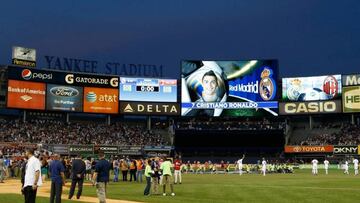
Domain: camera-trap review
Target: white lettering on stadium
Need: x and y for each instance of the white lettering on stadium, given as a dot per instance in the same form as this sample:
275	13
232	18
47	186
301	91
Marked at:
352	80
25	90
311	107
224	105
157	108
114	82
250	87
92	80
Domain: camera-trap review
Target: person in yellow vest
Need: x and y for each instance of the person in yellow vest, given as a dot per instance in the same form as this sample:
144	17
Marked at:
124	169
140	169
133	170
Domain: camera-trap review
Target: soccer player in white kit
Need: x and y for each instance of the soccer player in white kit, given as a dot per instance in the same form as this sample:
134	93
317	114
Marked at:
346	167
240	164
326	166
314	166
356	166
263	168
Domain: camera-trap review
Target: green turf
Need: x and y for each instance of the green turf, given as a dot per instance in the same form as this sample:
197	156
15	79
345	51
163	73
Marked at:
298	187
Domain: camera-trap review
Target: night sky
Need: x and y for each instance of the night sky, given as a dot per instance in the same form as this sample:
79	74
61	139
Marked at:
308	37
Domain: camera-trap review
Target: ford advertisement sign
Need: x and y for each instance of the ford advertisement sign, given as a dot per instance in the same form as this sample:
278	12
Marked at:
64	98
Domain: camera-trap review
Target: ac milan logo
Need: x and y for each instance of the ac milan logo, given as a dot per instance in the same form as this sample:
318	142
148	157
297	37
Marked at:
330	86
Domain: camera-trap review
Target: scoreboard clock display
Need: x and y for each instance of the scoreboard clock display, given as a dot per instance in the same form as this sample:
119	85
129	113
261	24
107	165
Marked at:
148	89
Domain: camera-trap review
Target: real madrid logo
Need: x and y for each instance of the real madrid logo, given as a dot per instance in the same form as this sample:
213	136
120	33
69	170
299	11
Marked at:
293	92
267	85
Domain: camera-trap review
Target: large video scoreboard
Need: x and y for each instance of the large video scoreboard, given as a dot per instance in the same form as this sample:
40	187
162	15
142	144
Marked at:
148	89
150	96
229	88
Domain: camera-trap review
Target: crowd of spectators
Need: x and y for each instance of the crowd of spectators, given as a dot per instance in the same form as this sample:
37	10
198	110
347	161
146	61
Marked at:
58	132
348	135
263	124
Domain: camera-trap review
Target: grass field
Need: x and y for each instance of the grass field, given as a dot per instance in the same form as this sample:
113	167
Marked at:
298	187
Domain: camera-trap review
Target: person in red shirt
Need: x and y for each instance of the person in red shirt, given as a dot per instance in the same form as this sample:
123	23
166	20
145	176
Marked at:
177	167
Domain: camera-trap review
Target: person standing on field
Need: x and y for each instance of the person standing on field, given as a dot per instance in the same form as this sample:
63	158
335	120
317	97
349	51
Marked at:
167	176
326	166
356	166
88	169
263	167
57	176
78	170
140	170
124	169
346	168
240	164
32	179
177	167
116	167
155	176
101	177
314	166
2	169
148	174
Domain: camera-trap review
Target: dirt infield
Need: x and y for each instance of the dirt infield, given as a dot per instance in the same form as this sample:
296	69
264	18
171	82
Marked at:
14	186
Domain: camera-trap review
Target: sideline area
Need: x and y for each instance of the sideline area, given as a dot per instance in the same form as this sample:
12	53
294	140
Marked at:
13	186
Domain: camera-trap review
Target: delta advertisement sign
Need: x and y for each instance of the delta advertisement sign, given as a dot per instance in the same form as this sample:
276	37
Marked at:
26	95
149	108
309	149
101	100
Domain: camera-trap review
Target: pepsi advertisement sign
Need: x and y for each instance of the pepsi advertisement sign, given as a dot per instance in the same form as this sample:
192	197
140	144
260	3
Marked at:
32	74
59	77
229	88
64	98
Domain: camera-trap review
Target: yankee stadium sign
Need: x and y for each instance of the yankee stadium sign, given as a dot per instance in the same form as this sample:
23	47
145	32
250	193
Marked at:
110	68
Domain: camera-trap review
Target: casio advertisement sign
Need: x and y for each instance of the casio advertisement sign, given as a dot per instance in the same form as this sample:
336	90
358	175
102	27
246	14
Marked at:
314	107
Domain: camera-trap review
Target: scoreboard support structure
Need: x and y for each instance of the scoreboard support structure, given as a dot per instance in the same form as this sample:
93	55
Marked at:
67	118
108	120
148	122
24	116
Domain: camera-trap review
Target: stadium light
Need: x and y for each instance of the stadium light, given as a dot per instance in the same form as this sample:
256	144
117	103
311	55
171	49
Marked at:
243	69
